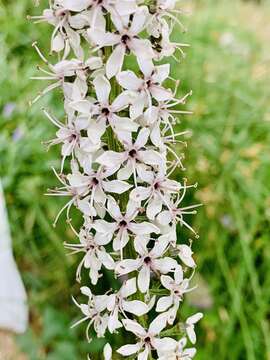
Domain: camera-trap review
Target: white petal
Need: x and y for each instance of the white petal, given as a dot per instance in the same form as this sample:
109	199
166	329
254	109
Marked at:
158	324
135	307
164	218
164	303
102	89
140	193
151	157
125	172
128	288
139	19
126	266
161	94
191	334
194	318
106	260
162	72
185	254
154	207
143	228
144	279
107	352
144	354
128	80
113	208
127	350
134	327
115	61
116	186
160	246
165	265
102	39
142	138
78	5
111	159
140	244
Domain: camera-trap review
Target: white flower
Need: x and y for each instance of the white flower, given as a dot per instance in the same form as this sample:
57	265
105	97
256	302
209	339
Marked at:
157	192
148	340
94	311
148	261
95	254
177	287
185	254
101	113
133	154
179	353
189	325
124	225
118	303
147	87
124	40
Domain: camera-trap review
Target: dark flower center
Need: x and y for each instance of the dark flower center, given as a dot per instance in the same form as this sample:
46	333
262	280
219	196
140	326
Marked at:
132	153
156	186
124	39
147	339
123	223
95	181
147	260
105	111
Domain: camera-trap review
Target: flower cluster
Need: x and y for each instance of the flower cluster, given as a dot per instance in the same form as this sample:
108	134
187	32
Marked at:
118	158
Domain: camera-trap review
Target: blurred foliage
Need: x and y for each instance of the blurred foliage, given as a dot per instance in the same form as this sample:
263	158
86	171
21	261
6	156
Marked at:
228	69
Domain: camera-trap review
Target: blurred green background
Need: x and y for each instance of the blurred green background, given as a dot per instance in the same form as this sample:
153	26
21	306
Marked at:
228	69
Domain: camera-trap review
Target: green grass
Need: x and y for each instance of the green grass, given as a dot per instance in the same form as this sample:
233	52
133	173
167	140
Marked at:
228	155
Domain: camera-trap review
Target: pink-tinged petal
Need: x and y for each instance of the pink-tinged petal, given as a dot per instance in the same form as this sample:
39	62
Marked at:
122	124
154	207
161	94
151	115
160	246
185	254
194	318
115	61
144	174
138	105
114	323
142	48
151	157
126	266
111	159
107	352
143	228
78	5
104	227
127	350
135	307
102	239
102	88
191	334
128	288
121	240
179	276
142	138
164	303
140	244
140	193
96	130
167	281
124	8
158	324
106	259
164	218
146	66
134	327
165	344
116	186
125	172
86	291
102	38
144	354
82	106
122	101
139	20
144	279
162	72
128	80
113	208
165	265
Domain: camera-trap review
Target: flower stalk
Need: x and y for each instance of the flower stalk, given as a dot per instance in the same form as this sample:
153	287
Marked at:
119	152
